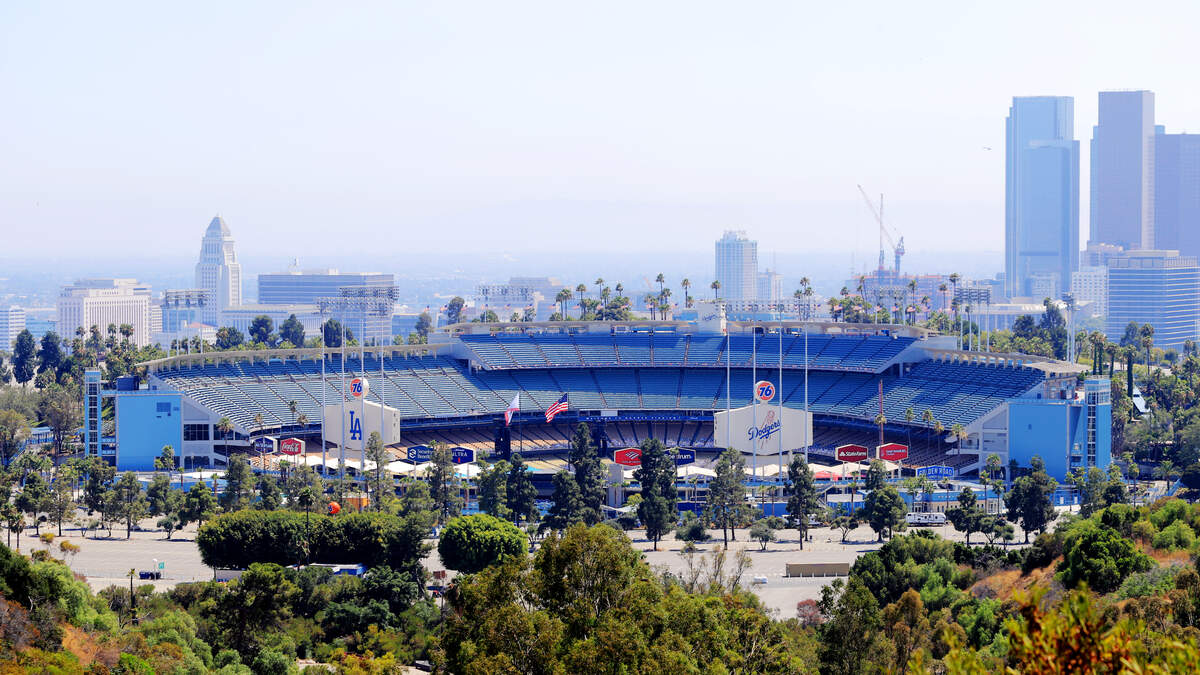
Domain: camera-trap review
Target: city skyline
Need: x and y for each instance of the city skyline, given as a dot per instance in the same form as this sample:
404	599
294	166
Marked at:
218	132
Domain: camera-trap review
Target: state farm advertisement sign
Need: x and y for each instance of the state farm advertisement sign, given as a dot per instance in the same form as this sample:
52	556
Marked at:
851	453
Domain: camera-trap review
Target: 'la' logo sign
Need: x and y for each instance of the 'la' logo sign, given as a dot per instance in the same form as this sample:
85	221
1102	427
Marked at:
355	427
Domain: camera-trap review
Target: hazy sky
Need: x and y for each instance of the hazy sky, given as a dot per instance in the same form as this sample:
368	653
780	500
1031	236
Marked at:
510	127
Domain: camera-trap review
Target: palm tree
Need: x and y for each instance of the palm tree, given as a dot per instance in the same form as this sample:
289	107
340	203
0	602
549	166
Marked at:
1147	334
599	285
664	299
661	281
293	408
258	425
581	289
620	288
715	286
909	416
833	307
561	298
960	434
912	291
652	303
225	426
954	278
302	420
1097	339
880	420
687	299
925	302
939	430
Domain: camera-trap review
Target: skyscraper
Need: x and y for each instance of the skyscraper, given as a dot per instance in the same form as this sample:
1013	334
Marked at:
218	271
1177	192
1041	213
1123	170
737	266
1160	288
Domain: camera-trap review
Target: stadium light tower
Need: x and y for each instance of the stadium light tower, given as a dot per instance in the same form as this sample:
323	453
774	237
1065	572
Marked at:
366	300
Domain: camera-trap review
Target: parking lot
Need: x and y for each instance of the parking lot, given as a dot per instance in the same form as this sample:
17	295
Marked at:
107	561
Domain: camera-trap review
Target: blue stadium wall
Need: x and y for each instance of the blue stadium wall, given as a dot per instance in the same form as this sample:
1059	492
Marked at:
145	423
1053	430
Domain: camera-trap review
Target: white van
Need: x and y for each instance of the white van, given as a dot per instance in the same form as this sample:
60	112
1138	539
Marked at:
925	519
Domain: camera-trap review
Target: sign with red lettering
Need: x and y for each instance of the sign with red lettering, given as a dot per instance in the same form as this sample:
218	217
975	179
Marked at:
628	457
893	452
851	453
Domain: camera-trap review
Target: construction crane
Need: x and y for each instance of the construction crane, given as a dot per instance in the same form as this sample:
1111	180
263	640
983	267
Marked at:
897	244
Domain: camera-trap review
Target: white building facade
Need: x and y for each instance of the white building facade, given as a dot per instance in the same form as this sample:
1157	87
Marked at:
100	302
12	322
1090	284
737	266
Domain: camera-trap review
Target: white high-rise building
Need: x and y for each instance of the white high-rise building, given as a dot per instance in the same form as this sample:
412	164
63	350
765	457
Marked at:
737	266
1090	284
100	302
218	271
12	322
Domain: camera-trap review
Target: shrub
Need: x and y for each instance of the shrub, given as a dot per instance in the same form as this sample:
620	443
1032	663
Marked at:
762	532
471	543
1167	511
1144	531
692	528
1045	549
1156	581
236	540
1175	536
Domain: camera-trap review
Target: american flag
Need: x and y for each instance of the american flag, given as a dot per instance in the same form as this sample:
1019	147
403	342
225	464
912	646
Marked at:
558	406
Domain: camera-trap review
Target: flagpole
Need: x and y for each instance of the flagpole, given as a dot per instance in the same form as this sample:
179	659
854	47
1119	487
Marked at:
779	316
754	394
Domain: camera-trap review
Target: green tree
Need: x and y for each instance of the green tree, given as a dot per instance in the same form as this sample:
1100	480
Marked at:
50	354
291	330
24	358
33	499
270	497
229	338
762	532
444	483
589	473
493	489
14	432
262	329
566	504
159	496
468	544
803	500
852	635
520	491
727	506
968	517
199	505
657	510
130	501
239	484
62	411
885	511
1030	501
255	605
379	479
331	333
60	503
1100	557
424	325
454	310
